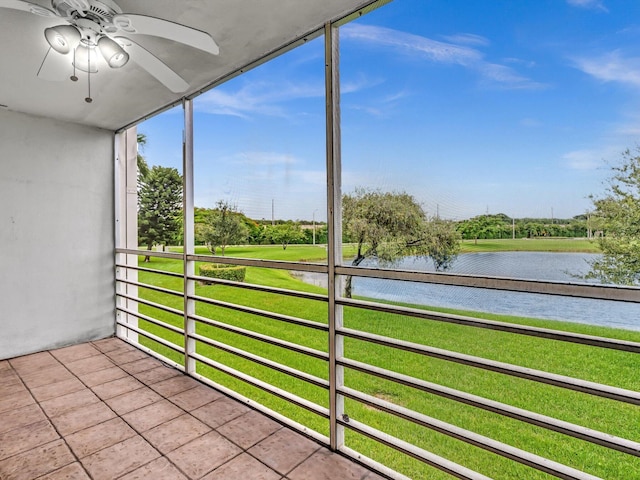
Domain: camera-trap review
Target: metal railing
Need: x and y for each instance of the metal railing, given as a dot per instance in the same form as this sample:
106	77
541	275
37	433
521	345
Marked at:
212	354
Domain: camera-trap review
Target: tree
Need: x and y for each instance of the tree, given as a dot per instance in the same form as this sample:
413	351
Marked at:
224	226
388	226
285	233
143	167
618	212
159	207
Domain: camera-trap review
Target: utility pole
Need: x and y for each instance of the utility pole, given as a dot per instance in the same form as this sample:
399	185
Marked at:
314	226
513	228
273	218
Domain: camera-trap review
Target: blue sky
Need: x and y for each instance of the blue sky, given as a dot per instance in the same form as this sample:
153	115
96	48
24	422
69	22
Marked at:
513	107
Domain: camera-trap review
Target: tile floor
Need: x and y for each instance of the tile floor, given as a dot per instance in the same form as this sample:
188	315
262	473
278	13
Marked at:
105	410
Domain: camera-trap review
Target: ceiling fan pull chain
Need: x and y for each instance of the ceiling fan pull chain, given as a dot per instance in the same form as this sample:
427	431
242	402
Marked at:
89	99
74	78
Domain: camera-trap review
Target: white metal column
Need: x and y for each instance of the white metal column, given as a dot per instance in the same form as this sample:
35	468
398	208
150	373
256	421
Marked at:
126	195
334	240
188	237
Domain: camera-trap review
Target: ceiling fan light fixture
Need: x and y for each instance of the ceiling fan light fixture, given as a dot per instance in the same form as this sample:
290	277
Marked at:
113	53
86	59
62	38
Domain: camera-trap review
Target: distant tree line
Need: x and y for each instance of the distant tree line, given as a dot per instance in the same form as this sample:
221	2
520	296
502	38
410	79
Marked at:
502	226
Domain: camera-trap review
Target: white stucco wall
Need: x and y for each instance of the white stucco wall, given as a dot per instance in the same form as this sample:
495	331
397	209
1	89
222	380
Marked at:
56	234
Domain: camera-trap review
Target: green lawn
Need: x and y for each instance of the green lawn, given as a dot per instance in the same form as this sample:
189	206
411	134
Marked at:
550	244
600	365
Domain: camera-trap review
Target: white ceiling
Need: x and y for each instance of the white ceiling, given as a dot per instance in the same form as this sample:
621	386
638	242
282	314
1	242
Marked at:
245	30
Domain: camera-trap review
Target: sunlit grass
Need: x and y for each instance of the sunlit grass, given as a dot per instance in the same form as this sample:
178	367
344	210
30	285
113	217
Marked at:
615	368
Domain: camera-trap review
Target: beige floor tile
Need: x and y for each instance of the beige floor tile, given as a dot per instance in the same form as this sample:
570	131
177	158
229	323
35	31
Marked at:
20	417
91	364
203	454
126	354
46	376
107	344
220	412
175	385
116	387
130	401
249	429
156	375
74	471
33	363
175	433
50	457
325	465
159	469
140	365
146	418
57	389
121	458
284	450
59	405
106	375
243	467
93	439
25	438
81	418
19	398
195	397
75	352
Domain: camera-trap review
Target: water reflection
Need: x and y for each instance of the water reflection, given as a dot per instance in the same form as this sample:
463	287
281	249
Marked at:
524	265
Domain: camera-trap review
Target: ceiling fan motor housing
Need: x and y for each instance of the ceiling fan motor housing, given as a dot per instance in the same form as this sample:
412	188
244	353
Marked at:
99	11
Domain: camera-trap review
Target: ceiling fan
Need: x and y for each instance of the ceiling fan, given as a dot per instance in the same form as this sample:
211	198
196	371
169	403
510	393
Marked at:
98	29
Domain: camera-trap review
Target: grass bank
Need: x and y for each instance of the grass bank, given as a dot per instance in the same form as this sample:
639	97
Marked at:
589	363
551	244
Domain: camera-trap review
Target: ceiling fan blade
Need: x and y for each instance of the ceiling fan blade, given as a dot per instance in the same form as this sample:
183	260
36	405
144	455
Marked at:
144	25
28	7
153	65
55	66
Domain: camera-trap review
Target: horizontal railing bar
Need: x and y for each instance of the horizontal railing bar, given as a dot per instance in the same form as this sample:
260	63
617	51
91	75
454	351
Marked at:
512	453
266	410
153	337
418	453
260	263
149	303
603	439
149	319
149	253
260	288
620	293
150	287
584	386
603	342
265	362
149	270
262	313
153	353
263	338
278	392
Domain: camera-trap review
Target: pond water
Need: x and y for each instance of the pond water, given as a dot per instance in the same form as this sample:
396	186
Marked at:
523	265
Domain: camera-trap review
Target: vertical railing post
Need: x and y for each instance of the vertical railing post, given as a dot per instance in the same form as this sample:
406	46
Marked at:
188	238
126	208
334	240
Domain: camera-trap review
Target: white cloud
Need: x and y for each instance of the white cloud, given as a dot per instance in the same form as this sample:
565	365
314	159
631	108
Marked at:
590	159
263	159
442	52
468	39
589	4
612	67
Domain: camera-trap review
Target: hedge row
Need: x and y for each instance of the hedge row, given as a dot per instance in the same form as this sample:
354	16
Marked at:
235	273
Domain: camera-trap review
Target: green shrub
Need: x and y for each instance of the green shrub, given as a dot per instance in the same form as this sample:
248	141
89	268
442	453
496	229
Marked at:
235	273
